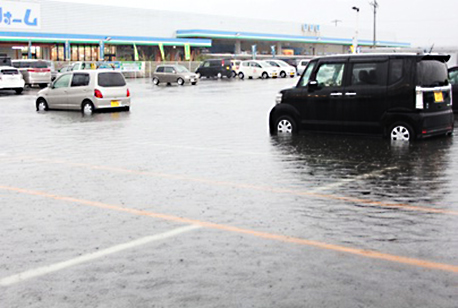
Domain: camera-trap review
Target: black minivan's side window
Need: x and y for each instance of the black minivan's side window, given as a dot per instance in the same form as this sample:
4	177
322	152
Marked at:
308	72
330	74
367	74
80	80
396	67
453	75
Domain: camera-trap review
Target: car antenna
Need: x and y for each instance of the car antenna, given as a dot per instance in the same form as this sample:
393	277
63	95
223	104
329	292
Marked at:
431	50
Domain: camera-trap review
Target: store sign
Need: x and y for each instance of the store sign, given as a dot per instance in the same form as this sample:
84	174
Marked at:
20	15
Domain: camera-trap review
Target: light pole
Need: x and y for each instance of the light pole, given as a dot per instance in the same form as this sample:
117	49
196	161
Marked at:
374	4
355	39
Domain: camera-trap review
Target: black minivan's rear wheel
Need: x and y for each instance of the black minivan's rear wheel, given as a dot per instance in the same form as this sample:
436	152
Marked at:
285	125
401	131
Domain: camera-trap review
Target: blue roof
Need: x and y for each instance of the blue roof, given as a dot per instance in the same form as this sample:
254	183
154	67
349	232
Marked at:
113	39
280	37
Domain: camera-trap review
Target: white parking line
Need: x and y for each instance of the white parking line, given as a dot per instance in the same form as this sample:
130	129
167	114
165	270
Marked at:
92	256
345	181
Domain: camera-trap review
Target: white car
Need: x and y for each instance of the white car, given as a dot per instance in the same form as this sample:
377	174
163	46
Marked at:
257	69
301	65
11	79
235	67
284	68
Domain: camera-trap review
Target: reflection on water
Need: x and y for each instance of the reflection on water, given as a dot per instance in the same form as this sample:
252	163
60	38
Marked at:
374	170
395	172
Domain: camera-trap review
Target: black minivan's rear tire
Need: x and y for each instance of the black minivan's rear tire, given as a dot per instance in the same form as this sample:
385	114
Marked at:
401	131
285	125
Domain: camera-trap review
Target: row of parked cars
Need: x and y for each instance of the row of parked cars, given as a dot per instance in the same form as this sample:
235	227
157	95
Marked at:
227	68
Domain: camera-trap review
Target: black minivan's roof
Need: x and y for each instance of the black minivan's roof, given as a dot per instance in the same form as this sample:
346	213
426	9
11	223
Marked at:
437	57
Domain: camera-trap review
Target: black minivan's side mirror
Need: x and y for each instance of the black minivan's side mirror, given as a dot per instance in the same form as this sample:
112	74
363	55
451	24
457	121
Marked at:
313	84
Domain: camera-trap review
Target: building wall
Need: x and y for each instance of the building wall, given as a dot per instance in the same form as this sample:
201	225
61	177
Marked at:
75	18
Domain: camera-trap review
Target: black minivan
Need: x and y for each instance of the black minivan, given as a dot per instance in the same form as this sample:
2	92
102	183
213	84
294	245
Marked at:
400	96
215	68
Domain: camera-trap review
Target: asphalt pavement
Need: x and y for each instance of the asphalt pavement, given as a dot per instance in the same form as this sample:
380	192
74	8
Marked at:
187	201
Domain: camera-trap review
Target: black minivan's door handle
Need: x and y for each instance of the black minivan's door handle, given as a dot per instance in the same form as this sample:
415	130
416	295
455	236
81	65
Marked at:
350	93
336	94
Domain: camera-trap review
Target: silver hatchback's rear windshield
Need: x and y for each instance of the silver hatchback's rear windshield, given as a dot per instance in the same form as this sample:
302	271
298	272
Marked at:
111	80
432	73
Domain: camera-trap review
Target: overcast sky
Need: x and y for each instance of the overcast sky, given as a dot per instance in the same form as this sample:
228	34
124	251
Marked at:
419	22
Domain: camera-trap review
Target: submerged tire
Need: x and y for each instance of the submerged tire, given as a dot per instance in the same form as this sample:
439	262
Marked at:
42	105
285	125
401	131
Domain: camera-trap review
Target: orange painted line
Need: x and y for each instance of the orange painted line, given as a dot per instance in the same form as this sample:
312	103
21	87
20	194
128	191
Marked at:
259	188
264	235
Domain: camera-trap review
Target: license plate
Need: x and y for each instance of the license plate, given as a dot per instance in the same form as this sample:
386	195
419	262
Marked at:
438	97
114	103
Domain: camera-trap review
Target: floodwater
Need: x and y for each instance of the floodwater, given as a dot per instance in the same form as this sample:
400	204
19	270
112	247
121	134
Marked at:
187	201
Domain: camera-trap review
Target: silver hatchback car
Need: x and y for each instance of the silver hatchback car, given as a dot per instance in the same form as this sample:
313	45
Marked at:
173	73
86	91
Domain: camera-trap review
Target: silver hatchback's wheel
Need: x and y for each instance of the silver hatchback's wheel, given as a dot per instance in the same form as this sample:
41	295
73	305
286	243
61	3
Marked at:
156	81
42	105
88	108
180	81
401	132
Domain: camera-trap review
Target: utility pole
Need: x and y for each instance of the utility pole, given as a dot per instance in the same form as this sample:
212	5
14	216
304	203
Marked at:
374	4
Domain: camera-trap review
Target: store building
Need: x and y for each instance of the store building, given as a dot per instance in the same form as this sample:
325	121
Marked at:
81	32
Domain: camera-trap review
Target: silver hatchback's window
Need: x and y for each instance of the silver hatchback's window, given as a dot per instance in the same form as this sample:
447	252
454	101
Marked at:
80	80
111	79
62	82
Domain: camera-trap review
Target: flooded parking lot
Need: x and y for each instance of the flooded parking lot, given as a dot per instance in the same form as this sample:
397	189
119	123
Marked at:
187	201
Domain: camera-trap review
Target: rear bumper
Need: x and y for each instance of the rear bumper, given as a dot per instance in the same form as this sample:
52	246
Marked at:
435	123
102	103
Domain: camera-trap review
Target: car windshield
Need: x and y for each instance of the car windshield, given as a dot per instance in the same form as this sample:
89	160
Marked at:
274	63
432	73
181	69
10	71
281	63
111	79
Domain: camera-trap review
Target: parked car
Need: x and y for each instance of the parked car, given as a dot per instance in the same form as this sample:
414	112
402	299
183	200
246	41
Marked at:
87	91
215	68
284	68
53	70
301	65
64	69
173	73
84	65
11	79
35	72
402	96
453	77
257	69
235	67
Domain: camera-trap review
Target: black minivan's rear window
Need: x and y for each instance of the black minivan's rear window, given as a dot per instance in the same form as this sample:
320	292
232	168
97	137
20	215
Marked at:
432	73
111	79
